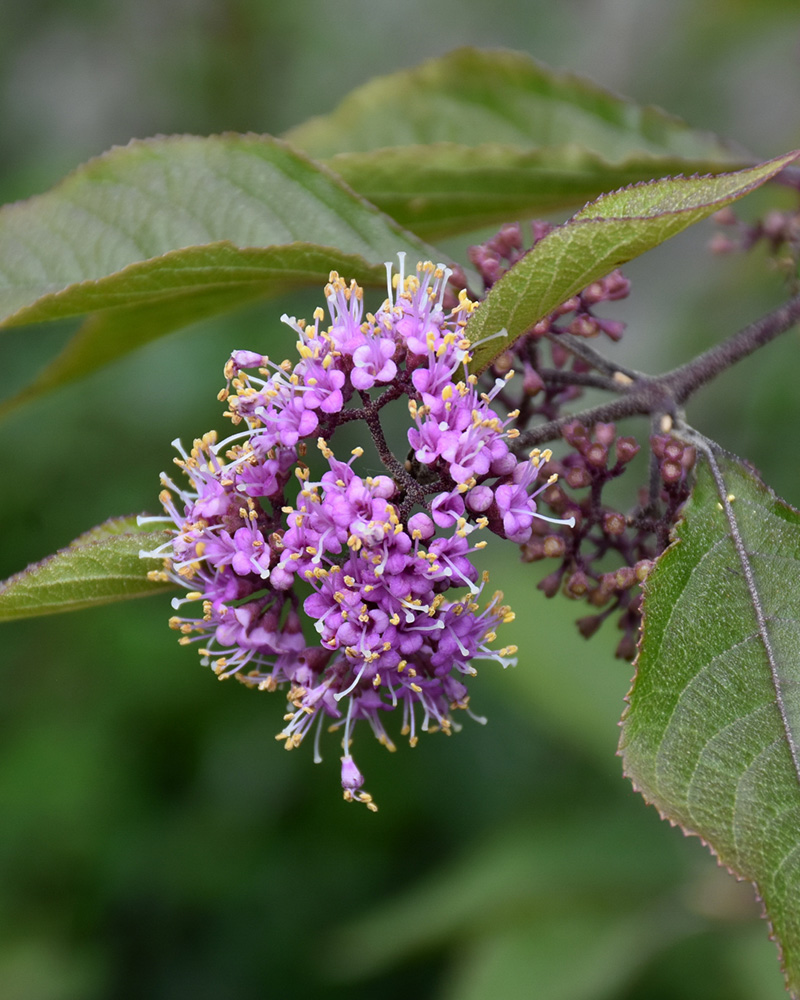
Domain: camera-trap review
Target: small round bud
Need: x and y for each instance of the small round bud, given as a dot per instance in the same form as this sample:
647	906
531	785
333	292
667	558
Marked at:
532	381
574	433
479	499
612	328
643	569
577	584
627	447
504	363
421	523
605	433
597	455
614	523
626	650
554	546
532	550
774	226
578	477
671	472
569	306
589	625
549	586
584	326
720	243
624	577
616	286
725	217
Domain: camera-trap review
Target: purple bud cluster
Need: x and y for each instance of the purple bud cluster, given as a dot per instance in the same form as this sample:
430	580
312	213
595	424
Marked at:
493	258
778	231
604	535
610	552
263	531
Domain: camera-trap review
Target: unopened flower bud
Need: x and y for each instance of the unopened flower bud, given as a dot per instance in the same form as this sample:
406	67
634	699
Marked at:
532	550
643	569
725	217
671	472
589	625
774	226
578	477
605	433
583	326
597	455
504	362
577	584
624	577
549	586
612	328
532	381
626	650
720	243
479	499
627	447
569	306
574	433
614	523
554	546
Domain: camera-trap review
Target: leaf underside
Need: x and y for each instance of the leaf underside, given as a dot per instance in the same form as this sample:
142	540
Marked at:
163	232
603	235
98	567
479	137
710	735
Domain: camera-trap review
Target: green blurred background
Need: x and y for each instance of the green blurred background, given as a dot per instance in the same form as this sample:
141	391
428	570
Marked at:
155	841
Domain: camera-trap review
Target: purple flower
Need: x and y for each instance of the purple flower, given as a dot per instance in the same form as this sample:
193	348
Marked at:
393	591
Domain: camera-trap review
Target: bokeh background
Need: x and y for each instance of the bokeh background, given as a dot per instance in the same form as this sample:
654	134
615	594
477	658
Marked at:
155	841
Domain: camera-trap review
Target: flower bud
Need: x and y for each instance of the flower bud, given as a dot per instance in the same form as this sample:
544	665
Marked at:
532	550
577	584
605	433
549	586
614	524
584	326
626	650
589	625
597	455
578	477
627	447
554	546
624	577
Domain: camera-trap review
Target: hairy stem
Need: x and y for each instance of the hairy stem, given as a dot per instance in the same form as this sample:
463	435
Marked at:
665	394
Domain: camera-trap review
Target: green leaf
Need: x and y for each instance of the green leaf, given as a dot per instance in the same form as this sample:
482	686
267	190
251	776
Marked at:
162	232
214	279
479	137
612	230
100	566
710	735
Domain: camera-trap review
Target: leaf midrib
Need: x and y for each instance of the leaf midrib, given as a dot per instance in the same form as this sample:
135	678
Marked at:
761	620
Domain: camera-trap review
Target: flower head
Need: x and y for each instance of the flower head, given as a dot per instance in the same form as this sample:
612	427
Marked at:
384	561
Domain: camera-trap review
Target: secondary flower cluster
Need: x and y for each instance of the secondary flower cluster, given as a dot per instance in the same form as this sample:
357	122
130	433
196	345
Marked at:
376	556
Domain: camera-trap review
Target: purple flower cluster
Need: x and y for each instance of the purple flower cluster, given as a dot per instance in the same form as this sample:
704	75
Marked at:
377	557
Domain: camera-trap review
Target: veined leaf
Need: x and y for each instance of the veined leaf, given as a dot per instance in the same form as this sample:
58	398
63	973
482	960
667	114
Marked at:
100	566
173	290
478	137
170	230
612	230
711	735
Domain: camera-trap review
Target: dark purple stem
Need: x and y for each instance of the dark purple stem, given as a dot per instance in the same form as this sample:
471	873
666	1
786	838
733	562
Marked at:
665	394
